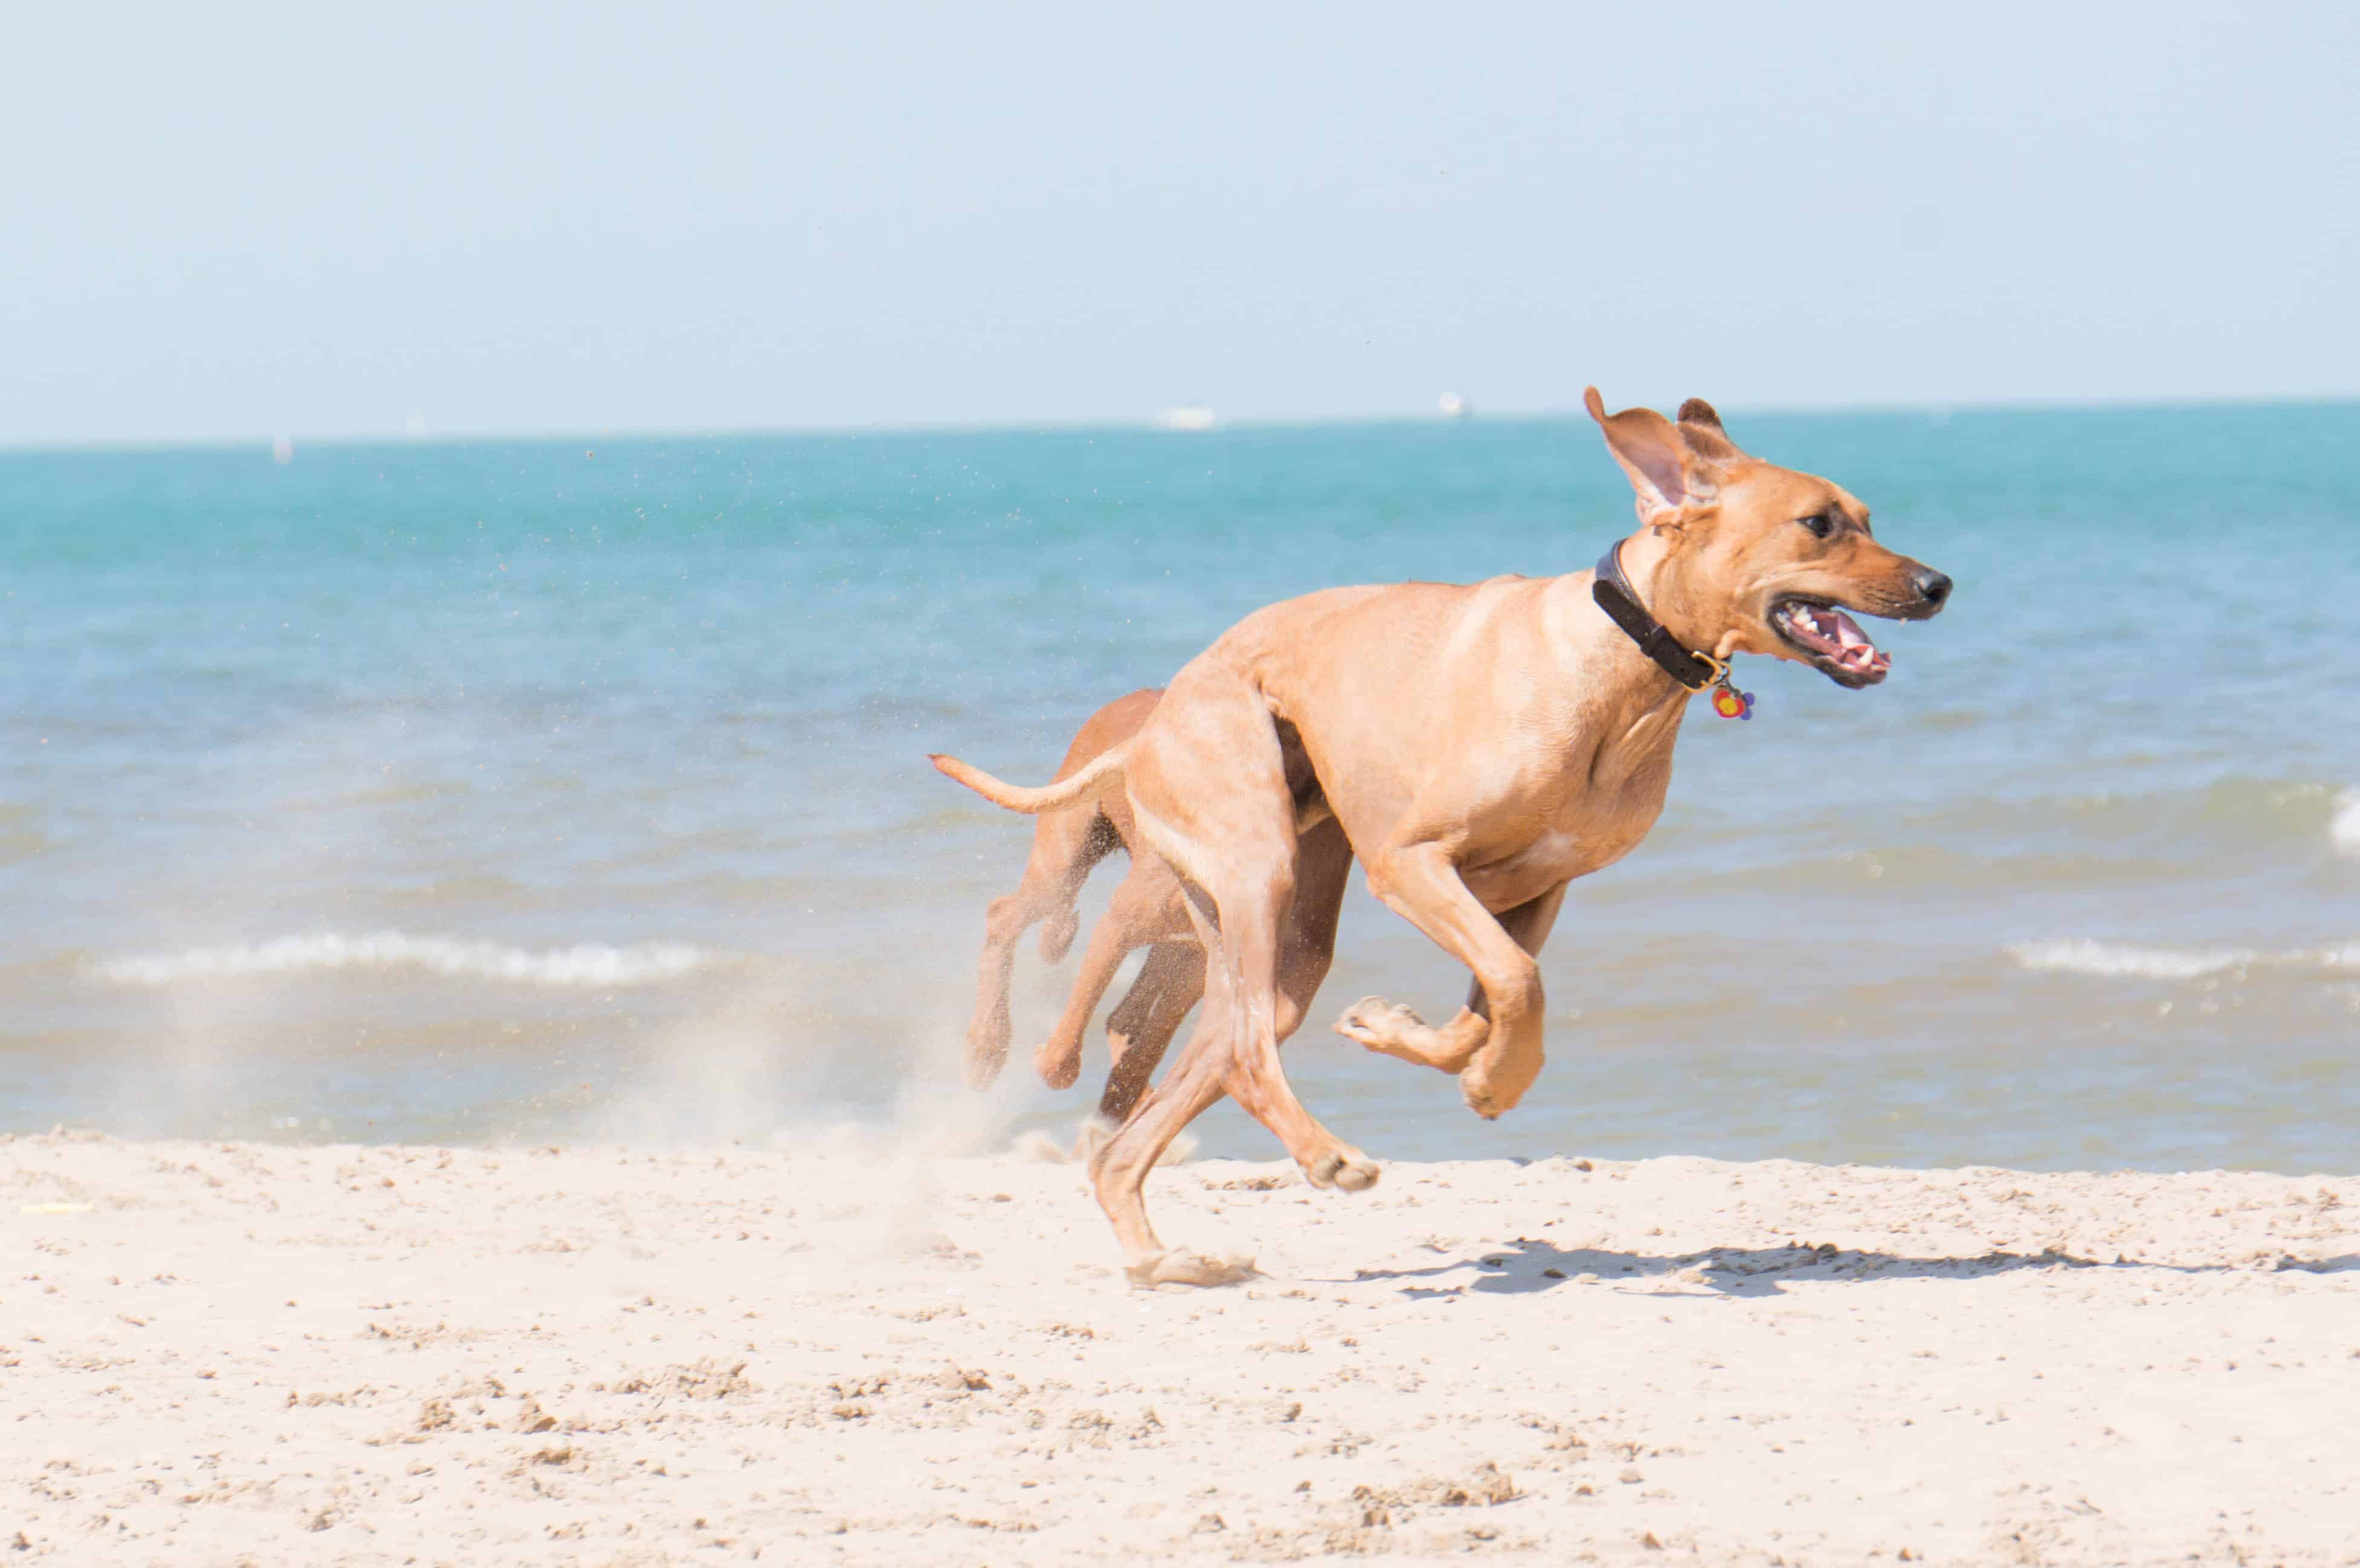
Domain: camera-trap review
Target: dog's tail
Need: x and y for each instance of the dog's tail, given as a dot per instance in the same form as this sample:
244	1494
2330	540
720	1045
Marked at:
1049	796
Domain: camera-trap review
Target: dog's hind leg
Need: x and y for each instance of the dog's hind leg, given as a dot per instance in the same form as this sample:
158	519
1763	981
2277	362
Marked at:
1139	1031
987	1030
1234	835
1173	980
1323	868
1207	1067
1081	853
1140	1028
1066	845
1208	785
1118	1169
1306	944
1139	914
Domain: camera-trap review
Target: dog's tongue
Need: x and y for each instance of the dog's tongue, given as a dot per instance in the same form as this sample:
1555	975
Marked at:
1856	651
1850	645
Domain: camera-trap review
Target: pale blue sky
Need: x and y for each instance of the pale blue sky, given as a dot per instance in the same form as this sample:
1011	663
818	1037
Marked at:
225	222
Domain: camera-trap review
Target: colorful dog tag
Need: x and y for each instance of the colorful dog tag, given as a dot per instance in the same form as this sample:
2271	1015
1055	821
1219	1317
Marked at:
1732	703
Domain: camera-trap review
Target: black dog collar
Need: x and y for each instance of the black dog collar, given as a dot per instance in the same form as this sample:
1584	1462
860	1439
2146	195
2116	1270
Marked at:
1620	601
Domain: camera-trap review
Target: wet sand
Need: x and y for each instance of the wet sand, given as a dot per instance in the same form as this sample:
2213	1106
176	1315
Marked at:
215	1354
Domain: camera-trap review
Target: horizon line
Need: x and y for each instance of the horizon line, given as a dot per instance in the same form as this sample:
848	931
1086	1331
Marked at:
1145	424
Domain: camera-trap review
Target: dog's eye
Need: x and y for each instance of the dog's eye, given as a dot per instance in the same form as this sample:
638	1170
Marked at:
1819	523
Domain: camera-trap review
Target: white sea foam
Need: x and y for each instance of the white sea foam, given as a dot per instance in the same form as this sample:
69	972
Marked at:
589	965
2343	828
2080	956
2118	961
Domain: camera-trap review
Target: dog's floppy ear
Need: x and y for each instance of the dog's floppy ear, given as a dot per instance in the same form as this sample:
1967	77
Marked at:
1668	464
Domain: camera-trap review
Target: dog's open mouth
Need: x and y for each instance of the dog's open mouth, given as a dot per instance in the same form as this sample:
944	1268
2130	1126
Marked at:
1833	640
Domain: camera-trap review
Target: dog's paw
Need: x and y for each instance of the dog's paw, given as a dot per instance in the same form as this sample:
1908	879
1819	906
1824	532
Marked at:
1346	1168
1491	1097
986	1047
1058	1064
1179	1266
1379	1024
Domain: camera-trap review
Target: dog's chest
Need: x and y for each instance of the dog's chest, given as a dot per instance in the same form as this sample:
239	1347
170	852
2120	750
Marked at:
1579	836
1583	790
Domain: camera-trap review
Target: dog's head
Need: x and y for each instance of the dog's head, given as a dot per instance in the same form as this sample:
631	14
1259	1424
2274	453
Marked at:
1763	559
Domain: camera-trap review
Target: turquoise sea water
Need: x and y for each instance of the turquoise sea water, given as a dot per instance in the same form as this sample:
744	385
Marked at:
563	789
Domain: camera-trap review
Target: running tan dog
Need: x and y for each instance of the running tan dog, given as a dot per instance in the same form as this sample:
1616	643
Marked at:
1481	747
1147	910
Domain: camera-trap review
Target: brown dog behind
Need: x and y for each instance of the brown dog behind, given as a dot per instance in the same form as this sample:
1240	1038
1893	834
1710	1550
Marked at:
1145	911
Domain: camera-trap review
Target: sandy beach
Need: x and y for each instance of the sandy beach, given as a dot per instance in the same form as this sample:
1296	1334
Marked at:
233	1353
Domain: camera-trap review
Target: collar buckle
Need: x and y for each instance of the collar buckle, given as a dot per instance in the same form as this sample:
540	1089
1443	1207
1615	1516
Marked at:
1717	672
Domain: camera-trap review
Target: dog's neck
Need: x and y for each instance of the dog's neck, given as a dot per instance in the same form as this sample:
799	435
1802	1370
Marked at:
1634	707
1656	565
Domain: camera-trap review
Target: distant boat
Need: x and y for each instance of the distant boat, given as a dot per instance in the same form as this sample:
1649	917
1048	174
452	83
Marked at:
282	449
1453	406
1187	417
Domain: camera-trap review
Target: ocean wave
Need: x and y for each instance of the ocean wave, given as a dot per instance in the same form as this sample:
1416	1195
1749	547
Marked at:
2121	961
587	964
2343	828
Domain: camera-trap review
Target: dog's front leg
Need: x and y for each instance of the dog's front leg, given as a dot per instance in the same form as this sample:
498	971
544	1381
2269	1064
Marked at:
1497	1057
1529	923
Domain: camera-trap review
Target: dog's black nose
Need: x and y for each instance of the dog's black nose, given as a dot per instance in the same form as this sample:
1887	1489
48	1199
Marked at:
1932	586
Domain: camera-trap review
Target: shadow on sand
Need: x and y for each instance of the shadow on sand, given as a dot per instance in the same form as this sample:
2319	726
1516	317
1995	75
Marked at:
1524	1266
